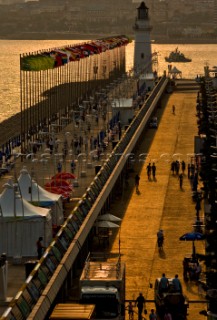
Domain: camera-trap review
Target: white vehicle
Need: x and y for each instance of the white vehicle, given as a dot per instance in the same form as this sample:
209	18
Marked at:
102	283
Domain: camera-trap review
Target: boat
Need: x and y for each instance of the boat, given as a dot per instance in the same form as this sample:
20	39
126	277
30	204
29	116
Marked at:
177	56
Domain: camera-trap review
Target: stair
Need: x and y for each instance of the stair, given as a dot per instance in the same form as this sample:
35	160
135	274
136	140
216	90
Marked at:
186	85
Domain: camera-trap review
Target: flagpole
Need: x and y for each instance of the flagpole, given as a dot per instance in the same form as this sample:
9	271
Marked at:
119	244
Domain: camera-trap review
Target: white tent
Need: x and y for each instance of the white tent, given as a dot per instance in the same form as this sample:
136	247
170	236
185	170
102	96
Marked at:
174	72
35	194
21	224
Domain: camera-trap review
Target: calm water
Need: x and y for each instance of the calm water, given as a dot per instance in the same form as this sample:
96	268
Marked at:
10	74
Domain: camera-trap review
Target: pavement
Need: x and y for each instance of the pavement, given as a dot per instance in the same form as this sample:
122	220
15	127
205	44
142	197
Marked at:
160	204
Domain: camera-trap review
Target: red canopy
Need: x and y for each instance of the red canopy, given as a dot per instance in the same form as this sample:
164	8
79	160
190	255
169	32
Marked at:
64	176
62	184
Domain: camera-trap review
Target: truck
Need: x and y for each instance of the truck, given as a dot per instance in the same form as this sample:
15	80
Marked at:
102	283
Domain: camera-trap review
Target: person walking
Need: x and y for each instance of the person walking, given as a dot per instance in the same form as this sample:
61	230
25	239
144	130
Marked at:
177	167
140	302
137	178
40	247
148	168
153	169
180	180
173	166
183	166
173	109
152	315
160	239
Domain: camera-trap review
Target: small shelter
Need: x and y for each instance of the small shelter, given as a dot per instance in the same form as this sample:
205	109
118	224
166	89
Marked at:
174	73
147	80
21	224
124	107
33	193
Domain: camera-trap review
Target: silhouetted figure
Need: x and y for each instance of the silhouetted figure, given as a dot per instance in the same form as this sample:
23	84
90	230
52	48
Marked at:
140	302
180	180
148	168
183	166
40	247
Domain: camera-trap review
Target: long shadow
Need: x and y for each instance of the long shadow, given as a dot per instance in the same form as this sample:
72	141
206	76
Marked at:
129	188
162	253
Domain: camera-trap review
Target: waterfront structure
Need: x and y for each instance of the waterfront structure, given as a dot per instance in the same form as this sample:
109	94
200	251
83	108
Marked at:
142	49
65	76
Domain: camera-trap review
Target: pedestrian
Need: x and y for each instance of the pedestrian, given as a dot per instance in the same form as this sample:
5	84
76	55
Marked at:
177	167
173	165
180	180
173	109
140	302
73	165
59	167
185	269
152	315
137	178
130	310
160	238
177	284
148	168
40	247
153	169
183	166
164	284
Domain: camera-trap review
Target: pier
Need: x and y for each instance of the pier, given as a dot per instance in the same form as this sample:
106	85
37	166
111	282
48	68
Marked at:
159	204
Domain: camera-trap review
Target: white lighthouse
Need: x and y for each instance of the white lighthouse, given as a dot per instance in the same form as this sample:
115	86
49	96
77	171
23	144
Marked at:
142	49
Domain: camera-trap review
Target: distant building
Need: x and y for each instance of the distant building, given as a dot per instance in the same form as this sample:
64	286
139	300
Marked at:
192	32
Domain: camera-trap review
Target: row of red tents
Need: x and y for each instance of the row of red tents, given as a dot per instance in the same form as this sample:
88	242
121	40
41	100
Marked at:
60	184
